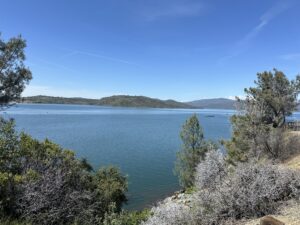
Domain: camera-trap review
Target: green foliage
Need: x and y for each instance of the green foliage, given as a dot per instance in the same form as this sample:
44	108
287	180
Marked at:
112	186
10	166
141	101
42	183
243	138
116	100
39	181
13	74
59	100
275	96
126	218
192	152
258	128
85	165
190	190
9	221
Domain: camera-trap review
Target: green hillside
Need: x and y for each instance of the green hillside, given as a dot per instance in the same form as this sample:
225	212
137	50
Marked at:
116	100
42	99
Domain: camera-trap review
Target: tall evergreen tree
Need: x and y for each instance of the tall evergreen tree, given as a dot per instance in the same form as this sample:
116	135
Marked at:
275	96
192	151
258	127
14	75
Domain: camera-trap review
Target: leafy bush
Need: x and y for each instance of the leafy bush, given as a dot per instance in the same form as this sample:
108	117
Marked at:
126	218
111	186
44	184
59	190
10	167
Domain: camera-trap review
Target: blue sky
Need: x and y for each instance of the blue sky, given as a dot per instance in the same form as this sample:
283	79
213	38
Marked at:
179	49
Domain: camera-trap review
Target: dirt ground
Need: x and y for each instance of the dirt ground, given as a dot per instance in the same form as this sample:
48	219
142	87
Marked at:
293	163
289	213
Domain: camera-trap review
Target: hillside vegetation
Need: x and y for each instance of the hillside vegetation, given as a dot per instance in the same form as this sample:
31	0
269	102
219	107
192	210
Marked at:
215	103
116	100
287	213
141	101
134	101
250	181
42	183
42	99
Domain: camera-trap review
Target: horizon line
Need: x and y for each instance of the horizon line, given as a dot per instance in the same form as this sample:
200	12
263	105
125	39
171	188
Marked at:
198	99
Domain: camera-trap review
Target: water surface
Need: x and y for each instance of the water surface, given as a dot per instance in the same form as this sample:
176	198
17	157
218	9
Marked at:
142	142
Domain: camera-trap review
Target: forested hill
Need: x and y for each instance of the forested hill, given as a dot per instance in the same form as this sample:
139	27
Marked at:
214	103
141	101
116	100
42	99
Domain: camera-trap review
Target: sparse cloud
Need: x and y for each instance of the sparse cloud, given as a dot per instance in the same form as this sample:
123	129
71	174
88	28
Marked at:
265	19
173	9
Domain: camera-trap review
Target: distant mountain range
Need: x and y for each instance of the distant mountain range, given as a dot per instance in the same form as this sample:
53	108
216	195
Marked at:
134	101
141	101
214	103
116	100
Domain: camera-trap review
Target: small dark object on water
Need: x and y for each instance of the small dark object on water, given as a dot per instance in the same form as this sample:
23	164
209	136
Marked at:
269	220
210	116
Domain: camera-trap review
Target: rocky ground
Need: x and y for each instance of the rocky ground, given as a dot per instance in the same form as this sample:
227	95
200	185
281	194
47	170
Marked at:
289	213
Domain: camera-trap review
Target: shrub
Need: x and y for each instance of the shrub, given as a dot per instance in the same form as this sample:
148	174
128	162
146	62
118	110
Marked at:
170	213
111	186
126	218
9	221
251	190
10	167
44	184
57	189
211	171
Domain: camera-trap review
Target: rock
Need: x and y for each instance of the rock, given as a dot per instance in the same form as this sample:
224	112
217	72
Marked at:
269	220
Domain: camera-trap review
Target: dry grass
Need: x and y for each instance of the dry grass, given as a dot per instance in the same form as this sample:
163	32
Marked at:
293	163
289	214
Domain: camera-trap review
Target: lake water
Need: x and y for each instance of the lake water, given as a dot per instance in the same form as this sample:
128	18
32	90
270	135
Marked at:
142	142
